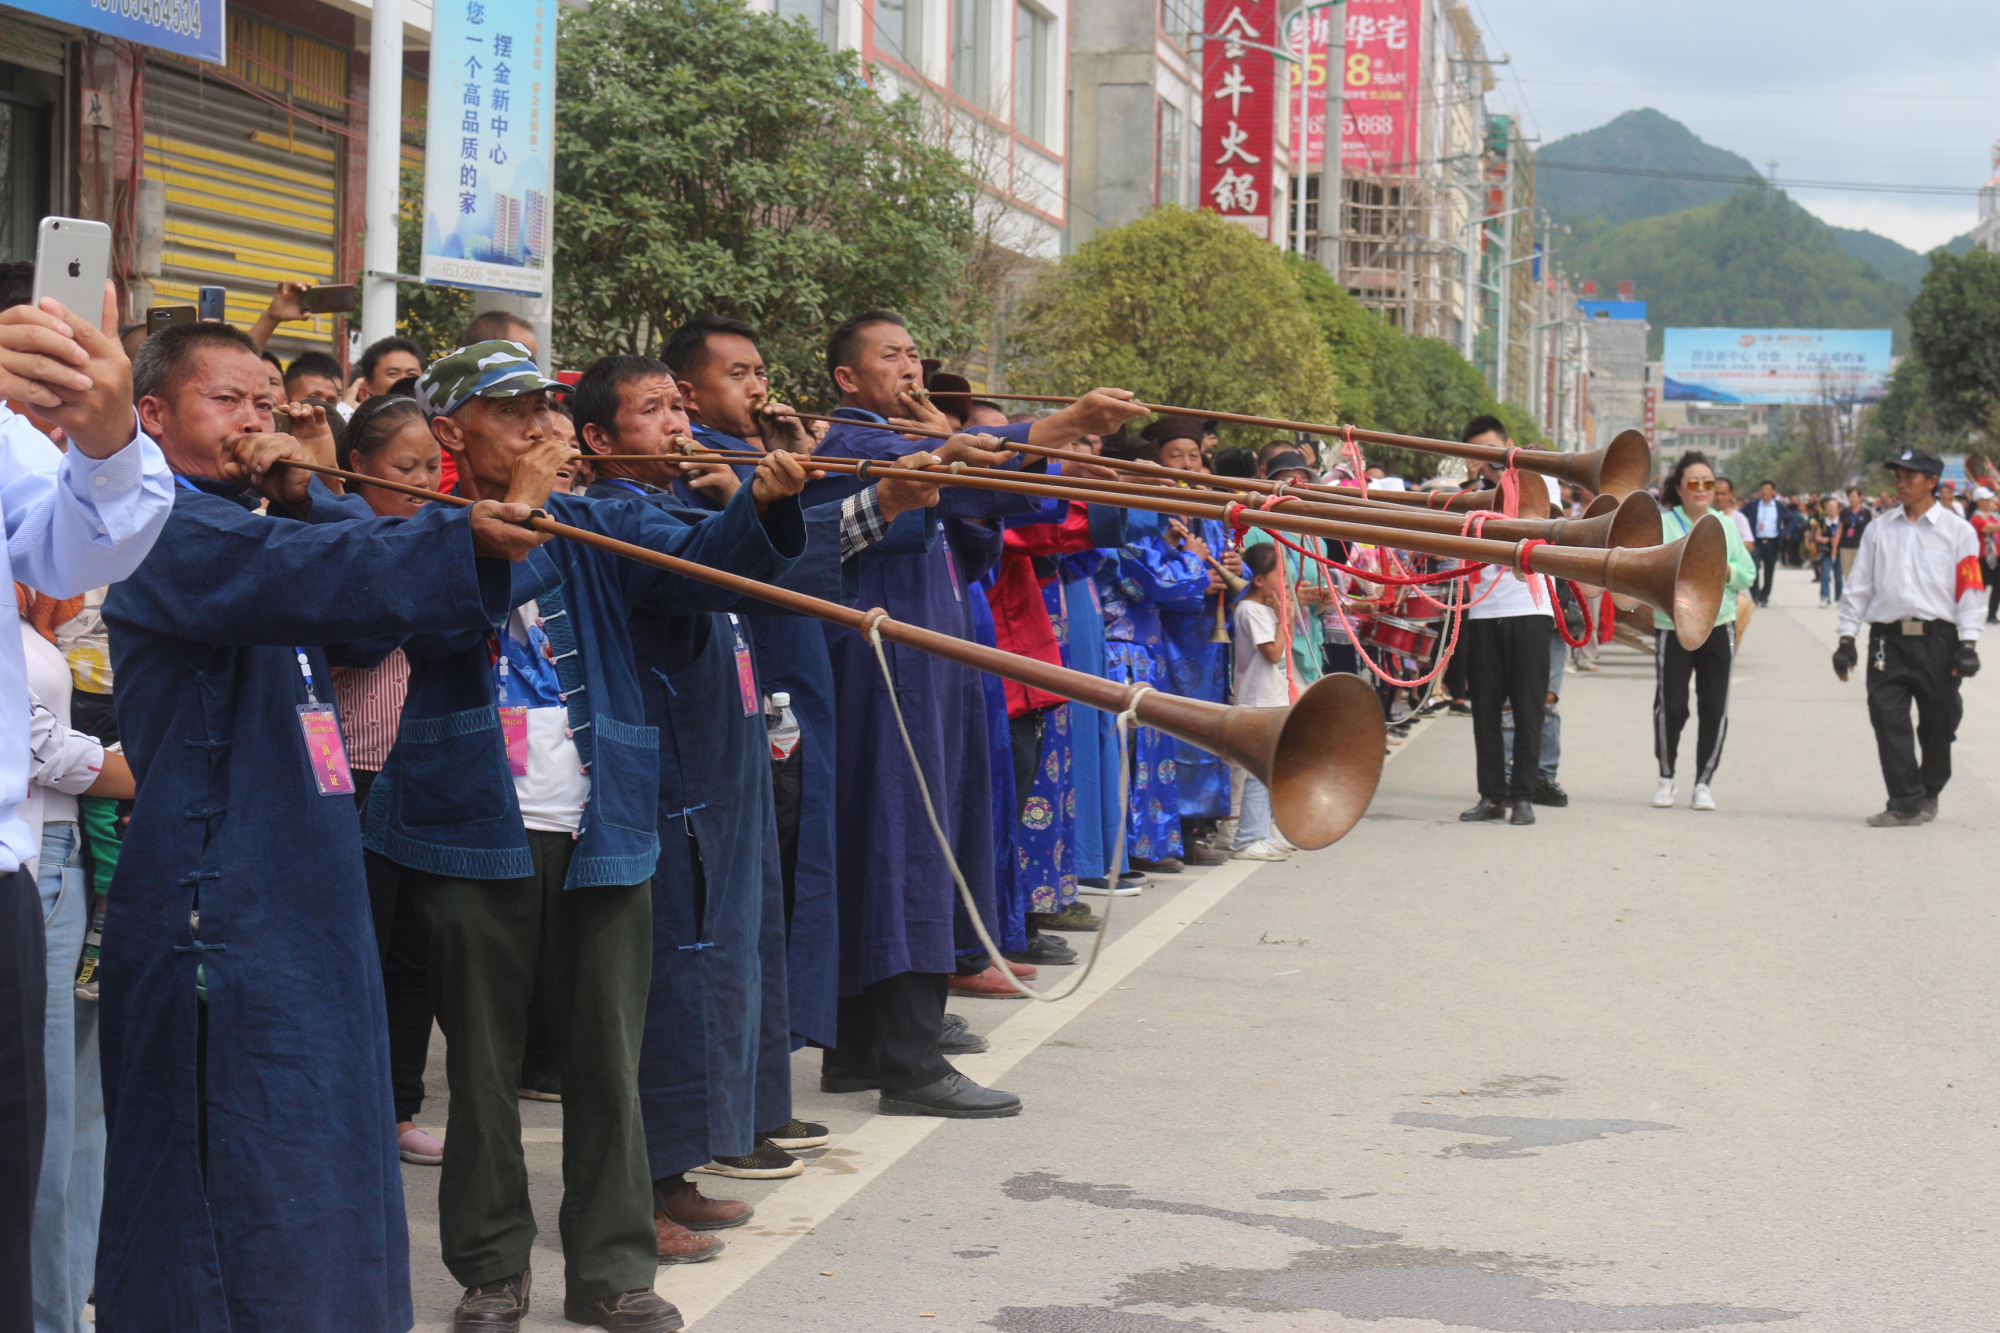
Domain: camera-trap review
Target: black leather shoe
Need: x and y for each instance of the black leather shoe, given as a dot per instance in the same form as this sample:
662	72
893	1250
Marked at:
1166	865
1489	807
632	1312
1928	809
1523	811
954	1097
1550	792
1042	949
957	1039
491	1305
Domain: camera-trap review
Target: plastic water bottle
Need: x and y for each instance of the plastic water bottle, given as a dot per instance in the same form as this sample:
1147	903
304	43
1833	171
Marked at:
784	727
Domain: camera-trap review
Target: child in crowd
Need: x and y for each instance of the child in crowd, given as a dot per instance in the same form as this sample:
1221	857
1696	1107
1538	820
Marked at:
1260	683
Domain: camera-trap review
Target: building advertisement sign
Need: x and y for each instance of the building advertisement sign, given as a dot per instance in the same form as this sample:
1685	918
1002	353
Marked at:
1776	365
1312	69
489	160
1381	81
1239	91
192	28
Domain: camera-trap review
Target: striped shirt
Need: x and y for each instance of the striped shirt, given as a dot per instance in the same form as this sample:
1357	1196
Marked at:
371	708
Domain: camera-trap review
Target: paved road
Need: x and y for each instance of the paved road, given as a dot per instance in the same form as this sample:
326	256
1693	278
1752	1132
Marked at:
1628	1069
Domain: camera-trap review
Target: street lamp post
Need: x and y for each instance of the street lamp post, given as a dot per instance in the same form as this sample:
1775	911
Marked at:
382	186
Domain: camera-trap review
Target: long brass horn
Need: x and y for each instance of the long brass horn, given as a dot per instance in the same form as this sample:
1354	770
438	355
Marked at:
1633	521
1684	579
1321	758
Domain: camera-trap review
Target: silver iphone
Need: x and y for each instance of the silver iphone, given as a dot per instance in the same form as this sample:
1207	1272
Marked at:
72	260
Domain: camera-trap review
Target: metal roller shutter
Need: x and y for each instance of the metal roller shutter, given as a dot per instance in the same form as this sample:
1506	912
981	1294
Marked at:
252	199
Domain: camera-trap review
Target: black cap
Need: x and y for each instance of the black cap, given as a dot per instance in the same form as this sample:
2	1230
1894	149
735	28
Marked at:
1173	428
1917	460
1287	462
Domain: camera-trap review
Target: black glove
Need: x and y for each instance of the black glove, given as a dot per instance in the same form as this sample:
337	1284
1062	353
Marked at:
1966	664
1844	657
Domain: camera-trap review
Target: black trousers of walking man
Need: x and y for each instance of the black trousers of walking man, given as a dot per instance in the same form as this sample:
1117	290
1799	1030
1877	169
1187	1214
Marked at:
1507	661
1902	669
1766	553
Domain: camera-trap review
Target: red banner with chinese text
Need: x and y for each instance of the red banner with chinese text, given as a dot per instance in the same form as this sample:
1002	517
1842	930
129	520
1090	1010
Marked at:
1239	101
1311	67
1381	81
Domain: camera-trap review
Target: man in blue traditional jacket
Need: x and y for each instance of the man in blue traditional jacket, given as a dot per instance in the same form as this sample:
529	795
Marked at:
896	887
522	796
717	1014
251	1178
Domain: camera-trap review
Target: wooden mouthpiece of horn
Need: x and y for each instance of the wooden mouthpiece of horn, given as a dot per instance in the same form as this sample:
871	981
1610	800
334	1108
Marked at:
1321	758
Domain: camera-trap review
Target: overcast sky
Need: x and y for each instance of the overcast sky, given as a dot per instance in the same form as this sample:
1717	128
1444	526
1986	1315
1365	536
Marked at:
1903	93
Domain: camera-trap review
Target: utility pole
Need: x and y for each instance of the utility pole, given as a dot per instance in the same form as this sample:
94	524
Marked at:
382	186
1332	207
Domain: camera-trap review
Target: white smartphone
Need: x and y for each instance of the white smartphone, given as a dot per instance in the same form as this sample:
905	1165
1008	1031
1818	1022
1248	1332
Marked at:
72	260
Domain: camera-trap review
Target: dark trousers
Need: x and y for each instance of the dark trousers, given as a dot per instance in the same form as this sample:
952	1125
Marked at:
891	1029
1507	662
1991	569
24	990
788	790
1906	668
1707	667
589	953
404	944
1766	551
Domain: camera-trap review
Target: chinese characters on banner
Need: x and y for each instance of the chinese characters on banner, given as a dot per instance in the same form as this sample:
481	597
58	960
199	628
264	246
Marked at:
489	164
1239	95
1380	80
1314	71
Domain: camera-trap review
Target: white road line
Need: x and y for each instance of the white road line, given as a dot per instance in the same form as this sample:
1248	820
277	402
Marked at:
806	1201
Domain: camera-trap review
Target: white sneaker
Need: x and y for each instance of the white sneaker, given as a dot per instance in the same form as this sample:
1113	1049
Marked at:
1261	850
1282	843
1704	799
1663	795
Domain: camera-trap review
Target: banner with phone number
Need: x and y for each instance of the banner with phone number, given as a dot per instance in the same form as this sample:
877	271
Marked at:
191	28
490	166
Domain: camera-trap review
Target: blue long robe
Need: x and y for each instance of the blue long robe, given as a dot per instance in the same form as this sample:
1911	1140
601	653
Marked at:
896	891
1008	921
289	1213
1148	577
1199	669
1094	746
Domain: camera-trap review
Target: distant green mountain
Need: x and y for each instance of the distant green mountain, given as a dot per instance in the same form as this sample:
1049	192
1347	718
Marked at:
1643	140
1892	259
1755	260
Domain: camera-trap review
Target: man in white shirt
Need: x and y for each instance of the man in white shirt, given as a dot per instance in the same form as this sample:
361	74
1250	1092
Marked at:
1917	585
74	521
1506	646
1766	516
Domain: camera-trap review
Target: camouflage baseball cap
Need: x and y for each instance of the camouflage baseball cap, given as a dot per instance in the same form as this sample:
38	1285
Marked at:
496	369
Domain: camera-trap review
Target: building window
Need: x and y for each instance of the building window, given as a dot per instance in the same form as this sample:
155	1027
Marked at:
899	30
1180	20
822	16
1171	152
1031	72
971	51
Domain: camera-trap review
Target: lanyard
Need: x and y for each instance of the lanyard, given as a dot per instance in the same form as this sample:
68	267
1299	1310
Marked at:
633	487
305	669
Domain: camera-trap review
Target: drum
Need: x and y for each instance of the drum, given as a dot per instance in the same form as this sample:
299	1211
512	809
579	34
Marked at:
1394	634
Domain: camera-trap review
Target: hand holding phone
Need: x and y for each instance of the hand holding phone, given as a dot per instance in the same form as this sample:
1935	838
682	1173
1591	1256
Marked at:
328	299
63	364
72	261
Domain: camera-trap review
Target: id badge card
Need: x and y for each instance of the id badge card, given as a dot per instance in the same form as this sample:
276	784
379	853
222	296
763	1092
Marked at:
320	726
746	672
514	730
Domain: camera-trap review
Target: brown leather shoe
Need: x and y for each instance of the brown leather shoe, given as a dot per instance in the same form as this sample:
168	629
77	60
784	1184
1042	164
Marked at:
633	1312
688	1207
990	984
491	1305
678	1245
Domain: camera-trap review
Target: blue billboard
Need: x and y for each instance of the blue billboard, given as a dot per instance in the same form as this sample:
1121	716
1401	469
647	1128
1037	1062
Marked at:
192	28
1776	365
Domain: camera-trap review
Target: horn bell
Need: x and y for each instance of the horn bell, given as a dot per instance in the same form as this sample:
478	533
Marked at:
1321	758
1636	521
1683	580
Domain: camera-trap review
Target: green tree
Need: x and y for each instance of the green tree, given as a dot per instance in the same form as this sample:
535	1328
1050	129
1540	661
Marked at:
1955	333
432	317
1180	307
710	160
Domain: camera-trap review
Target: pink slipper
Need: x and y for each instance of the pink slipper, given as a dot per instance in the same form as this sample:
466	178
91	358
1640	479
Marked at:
421	1149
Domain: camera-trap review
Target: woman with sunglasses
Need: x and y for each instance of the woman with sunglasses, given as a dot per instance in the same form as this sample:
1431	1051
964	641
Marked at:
1689	494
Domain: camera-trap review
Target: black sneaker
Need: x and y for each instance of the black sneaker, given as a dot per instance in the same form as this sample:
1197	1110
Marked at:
543	1087
797	1133
958	1038
1134	879
767	1162
1042	949
1549	792
1459	708
1074	917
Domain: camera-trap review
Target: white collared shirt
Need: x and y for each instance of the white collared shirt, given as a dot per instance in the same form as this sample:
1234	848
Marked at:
1922	569
73	523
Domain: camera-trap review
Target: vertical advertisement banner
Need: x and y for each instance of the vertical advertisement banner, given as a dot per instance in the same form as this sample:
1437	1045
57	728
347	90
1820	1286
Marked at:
489	161
1311	70
1381	81
1239	95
